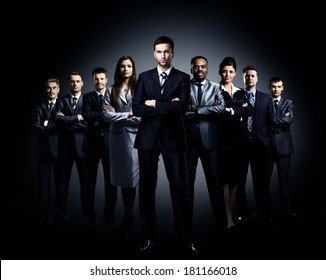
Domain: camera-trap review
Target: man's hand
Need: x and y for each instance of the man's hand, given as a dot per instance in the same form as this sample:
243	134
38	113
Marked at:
109	107
150	103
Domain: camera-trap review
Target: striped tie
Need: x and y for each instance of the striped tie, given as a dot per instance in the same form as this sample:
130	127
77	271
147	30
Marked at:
74	102
163	79
252	102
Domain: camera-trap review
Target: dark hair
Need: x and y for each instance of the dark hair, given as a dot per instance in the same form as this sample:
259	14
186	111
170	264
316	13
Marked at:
250	67
276	79
74	73
164	40
99	70
228	61
198	57
117	84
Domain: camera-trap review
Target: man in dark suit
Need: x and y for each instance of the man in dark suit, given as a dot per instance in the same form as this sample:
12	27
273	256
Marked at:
161	100
48	162
96	149
257	148
67	116
282	145
201	123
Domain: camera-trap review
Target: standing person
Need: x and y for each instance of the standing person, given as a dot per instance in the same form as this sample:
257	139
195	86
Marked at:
123	128
161	100
96	149
282	145
48	162
233	132
206	101
257	147
67	115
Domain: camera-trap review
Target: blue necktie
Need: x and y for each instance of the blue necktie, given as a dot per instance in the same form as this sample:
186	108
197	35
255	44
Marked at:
251	98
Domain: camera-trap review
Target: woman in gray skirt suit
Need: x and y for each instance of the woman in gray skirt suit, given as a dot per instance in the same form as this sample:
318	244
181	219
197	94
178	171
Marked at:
123	129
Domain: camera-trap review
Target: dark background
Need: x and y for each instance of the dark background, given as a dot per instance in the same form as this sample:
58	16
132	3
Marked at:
57	40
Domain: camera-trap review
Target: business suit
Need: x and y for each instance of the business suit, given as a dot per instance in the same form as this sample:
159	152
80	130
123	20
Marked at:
96	149
201	126
71	140
161	131
282	150
48	162
257	149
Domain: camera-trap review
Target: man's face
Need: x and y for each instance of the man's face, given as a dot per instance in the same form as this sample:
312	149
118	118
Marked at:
163	55
199	70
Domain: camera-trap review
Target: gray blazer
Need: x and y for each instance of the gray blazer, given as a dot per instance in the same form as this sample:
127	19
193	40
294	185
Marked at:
204	119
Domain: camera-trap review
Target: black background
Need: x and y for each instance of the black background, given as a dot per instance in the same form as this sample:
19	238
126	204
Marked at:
56	40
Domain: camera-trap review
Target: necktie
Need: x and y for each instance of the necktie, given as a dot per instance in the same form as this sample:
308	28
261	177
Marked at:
101	99
74	102
275	104
163	78
250	120
199	93
251	98
51	106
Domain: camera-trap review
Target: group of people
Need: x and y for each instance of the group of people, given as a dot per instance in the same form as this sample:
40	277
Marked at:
165	112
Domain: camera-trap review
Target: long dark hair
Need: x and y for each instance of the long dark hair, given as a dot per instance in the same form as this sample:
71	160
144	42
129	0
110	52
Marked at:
118	80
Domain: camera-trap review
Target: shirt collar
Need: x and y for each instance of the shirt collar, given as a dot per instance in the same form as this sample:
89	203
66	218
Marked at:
160	71
196	83
77	95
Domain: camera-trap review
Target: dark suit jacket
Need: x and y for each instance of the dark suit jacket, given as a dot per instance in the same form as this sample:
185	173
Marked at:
162	125
282	138
234	127
97	129
73	129
47	136
263	117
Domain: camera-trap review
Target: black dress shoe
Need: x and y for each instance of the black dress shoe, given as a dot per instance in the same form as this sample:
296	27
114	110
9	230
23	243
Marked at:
90	222
63	219
291	214
262	218
45	220
191	250
66	219
242	219
146	246
110	224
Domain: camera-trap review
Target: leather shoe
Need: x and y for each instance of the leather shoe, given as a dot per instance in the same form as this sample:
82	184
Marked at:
262	218
110	223
146	246
45	220
292	214
90	222
191	250
63	219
